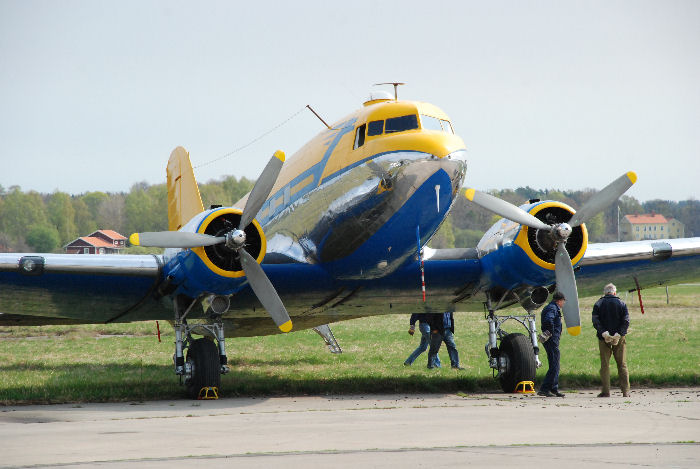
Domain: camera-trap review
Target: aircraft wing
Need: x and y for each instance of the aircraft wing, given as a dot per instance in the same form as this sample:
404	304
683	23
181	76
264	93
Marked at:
642	264
69	288
629	265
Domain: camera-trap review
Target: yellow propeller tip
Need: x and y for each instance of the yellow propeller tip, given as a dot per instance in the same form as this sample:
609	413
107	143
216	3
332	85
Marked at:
632	176
576	330
134	239
469	194
279	154
286	327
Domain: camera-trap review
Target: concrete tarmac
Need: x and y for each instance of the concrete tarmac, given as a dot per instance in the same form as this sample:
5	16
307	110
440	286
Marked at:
652	428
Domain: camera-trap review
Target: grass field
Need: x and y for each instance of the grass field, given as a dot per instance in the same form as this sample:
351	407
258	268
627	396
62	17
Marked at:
125	362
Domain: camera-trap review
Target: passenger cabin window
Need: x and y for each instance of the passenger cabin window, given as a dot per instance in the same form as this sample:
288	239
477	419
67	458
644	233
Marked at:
360	136
375	128
399	124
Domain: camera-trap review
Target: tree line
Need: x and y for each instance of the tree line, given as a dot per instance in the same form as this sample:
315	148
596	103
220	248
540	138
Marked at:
31	221
35	222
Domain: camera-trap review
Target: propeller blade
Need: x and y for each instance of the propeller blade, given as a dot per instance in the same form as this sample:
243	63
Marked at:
604	198
265	292
174	239
505	209
566	284
261	189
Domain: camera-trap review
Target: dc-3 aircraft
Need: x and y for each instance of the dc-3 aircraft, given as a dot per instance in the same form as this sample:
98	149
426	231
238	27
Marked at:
338	232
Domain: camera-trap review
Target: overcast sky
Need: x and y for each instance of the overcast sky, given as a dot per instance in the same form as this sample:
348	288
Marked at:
95	95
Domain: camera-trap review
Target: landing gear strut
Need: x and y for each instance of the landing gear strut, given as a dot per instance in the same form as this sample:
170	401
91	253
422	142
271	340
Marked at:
516	359
206	361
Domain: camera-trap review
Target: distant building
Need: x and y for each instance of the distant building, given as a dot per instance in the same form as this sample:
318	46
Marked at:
650	226
99	242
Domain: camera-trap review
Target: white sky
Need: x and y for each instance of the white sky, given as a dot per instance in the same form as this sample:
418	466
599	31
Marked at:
94	95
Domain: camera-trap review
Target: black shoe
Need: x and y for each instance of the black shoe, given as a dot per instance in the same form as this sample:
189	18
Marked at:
457	367
545	394
558	394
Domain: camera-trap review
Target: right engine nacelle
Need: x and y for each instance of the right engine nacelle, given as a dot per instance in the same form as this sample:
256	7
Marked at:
514	255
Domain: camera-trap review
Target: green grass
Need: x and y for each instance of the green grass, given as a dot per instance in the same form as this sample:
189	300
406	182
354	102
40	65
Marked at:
125	362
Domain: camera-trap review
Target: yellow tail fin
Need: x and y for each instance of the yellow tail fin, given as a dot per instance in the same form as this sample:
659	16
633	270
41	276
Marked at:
184	201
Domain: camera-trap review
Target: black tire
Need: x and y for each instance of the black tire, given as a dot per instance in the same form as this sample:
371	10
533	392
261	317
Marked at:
203	356
521	361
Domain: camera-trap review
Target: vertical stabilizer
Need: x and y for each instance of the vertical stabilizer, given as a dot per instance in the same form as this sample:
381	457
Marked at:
184	201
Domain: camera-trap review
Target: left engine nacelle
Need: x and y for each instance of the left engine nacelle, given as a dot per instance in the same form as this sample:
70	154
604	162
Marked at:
212	269
219	258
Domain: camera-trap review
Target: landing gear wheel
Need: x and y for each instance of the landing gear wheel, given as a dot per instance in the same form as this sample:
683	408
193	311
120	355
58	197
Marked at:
203	358
520	361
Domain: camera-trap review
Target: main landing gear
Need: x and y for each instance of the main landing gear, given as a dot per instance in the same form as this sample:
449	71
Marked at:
516	359
206	360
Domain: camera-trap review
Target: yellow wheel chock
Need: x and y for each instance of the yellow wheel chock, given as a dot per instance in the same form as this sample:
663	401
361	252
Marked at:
525	387
208	392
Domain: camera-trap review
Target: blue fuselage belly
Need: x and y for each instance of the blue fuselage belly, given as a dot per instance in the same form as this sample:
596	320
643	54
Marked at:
394	241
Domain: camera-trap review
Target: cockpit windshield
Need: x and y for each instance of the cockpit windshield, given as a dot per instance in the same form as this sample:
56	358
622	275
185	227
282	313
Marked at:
433	123
399	124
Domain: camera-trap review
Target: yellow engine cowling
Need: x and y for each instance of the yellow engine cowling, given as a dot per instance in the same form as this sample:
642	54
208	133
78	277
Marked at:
540	246
221	259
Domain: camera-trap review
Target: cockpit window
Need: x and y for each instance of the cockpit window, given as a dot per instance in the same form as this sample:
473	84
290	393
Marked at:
446	126
430	123
359	136
375	128
399	124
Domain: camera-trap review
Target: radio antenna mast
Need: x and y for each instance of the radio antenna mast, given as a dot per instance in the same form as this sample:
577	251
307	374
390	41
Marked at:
396	86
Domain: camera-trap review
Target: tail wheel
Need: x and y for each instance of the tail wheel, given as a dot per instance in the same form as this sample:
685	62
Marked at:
520	361
203	358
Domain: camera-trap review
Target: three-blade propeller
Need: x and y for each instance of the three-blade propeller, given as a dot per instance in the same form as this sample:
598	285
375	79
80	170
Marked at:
563	268
235	240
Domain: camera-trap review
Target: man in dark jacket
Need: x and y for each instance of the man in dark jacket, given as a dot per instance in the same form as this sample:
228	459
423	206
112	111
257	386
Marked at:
551	327
424	328
611	321
442	328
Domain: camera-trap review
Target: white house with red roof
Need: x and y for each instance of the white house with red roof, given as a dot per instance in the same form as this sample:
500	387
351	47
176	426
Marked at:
99	242
650	226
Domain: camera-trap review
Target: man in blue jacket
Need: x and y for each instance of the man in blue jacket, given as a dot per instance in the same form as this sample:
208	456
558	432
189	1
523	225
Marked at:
551	326
611	321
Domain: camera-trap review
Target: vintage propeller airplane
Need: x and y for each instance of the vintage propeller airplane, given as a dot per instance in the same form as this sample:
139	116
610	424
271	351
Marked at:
338	232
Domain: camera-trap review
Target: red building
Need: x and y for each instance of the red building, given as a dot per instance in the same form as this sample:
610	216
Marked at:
99	242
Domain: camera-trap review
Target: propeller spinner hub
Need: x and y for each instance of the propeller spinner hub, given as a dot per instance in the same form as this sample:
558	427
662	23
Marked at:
562	231
235	239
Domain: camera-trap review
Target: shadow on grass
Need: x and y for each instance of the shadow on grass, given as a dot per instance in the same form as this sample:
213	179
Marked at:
133	382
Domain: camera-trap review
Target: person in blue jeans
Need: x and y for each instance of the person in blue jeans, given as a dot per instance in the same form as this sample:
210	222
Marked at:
424	329
442	328
551	323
